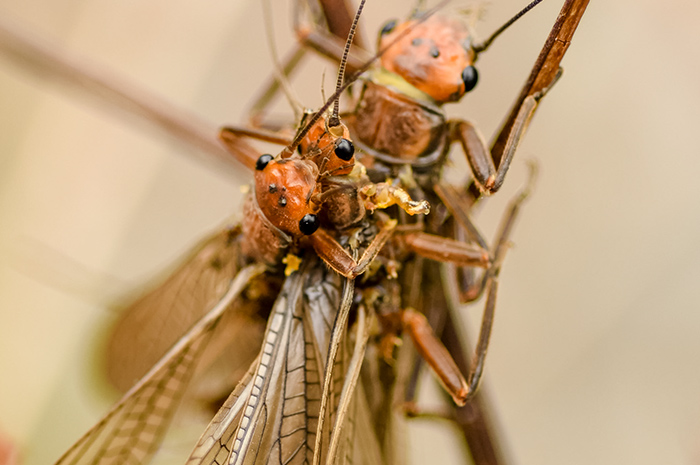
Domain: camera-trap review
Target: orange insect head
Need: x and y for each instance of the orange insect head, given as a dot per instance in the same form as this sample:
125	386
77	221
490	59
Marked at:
284	190
435	56
331	143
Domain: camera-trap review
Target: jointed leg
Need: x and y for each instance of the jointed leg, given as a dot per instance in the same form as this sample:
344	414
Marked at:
489	167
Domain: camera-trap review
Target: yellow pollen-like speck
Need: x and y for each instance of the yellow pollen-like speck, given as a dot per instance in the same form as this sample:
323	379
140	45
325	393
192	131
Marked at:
292	262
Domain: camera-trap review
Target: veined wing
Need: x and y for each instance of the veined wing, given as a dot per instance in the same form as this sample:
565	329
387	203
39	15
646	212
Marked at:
272	418
134	427
272	410
152	324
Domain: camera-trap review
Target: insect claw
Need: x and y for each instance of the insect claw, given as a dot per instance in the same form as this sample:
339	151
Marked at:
460	397
490	184
386	348
412	410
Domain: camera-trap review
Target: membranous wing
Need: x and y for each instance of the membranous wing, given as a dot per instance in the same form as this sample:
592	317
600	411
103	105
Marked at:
149	326
134	427
272	417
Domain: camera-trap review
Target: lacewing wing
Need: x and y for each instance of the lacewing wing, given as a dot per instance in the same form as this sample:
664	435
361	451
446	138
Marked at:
134	427
118	203
273	414
152	324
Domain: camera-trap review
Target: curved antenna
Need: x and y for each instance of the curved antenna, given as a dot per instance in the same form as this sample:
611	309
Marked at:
334	120
316	116
478	48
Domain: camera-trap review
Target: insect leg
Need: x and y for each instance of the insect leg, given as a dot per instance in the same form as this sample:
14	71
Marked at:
501	246
469	283
444	249
330	46
542	77
436	355
346	396
339	325
433	352
232	139
336	15
256	114
474	419
328	248
482	161
114	90
546	67
273	137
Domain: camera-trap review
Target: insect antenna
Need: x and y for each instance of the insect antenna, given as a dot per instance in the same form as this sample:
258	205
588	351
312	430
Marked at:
477	48
334	120
348	82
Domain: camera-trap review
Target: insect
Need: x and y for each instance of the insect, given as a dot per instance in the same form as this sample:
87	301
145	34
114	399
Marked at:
398	121
283	208
398	118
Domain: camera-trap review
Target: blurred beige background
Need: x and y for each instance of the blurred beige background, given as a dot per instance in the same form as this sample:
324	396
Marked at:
594	357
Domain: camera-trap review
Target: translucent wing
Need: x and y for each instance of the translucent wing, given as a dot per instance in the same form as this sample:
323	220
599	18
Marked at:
151	325
134	427
271	410
272	416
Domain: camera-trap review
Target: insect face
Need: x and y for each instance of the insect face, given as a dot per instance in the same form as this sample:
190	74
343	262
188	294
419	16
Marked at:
434	57
284	190
329	147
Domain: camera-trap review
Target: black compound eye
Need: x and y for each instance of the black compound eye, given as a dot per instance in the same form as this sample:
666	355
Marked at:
263	161
388	27
470	77
344	149
309	224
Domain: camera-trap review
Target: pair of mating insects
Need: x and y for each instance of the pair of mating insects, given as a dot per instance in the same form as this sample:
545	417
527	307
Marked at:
292	405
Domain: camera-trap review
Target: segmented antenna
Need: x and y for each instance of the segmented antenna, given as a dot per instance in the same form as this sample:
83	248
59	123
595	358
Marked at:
485	44
334	120
316	116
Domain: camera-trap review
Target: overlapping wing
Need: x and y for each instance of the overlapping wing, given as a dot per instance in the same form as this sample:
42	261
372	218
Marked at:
134	427
272	417
148	327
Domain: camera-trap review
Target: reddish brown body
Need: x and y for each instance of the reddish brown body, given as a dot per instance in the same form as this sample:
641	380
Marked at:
392	123
261	240
283	191
399	118
399	123
294	194
319	144
431	56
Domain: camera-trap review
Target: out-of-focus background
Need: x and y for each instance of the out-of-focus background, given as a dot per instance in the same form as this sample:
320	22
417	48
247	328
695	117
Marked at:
594	357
